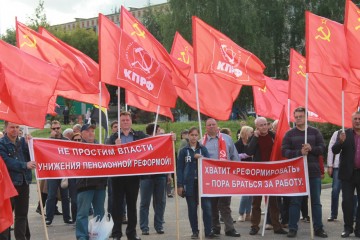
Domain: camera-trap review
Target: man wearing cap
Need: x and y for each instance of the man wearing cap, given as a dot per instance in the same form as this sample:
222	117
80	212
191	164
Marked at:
125	185
91	191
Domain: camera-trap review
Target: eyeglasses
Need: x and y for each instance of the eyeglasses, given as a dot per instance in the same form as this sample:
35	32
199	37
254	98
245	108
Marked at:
55	128
77	139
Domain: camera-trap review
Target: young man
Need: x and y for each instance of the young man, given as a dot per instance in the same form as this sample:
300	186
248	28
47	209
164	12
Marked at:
294	145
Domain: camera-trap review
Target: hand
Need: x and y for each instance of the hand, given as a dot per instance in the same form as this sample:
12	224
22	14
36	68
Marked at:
342	137
304	151
307	146
197	156
173	136
31	165
322	176
180	191
330	170
118	141
256	133
27	137
169	179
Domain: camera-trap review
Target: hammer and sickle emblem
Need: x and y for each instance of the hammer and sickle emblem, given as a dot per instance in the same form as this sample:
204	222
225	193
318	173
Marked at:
324	35
357	27
263	89
301	72
30	41
185	54
138	31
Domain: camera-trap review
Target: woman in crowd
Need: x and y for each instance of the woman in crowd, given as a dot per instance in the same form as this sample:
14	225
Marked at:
187	182
245	203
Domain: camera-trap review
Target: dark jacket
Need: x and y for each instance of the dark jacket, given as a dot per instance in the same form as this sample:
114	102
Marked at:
240	147
137	136
252	149
85	184
187	168
347	155
16	157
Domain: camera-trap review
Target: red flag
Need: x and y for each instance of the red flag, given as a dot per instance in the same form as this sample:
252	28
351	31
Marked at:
73	76
124	63
269	101
7	192
211	89
326	50
324	92
144	38
282	128
26	85
92	70
216	54
144	104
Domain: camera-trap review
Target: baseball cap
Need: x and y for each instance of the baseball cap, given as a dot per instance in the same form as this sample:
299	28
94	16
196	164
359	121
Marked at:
87	126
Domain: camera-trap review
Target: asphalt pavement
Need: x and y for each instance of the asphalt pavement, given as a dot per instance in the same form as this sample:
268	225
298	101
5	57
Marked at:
58	230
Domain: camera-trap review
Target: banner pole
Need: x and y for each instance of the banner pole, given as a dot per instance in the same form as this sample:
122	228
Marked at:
176	196
200	223
32	158
306	131
118	108
343	110
156	118
266	213
198	104
100	111
288	116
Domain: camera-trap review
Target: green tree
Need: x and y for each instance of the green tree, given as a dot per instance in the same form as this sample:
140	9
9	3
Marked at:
39	18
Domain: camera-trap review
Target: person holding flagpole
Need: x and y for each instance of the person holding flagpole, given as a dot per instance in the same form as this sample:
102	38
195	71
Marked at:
293	146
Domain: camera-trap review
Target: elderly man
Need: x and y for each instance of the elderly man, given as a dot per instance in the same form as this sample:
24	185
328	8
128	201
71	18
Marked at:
348	145
54	184
294	145
260	147
91	191
15	153
220	146
125	185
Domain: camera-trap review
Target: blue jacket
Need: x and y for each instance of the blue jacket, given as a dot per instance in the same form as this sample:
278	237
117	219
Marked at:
187	168
16	157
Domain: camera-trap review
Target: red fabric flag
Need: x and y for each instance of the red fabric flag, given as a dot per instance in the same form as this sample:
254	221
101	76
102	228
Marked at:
74	75
92	70
211	89
282	128
26	84
324	93
269	101
144	104
7	192
326	50
144	38
216	54
124	63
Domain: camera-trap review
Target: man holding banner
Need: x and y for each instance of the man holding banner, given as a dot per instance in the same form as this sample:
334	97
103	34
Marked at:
220	146
293	146
260	147
15	153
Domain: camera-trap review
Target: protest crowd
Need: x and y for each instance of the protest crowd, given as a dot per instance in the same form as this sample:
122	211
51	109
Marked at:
106	190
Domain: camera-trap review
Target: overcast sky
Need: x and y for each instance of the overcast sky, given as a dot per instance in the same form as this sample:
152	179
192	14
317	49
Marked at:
61	11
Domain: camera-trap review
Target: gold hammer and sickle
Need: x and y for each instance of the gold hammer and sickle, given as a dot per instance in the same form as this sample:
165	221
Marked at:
183	55
357	27
137	31
31	43
301	72
323	36
263	89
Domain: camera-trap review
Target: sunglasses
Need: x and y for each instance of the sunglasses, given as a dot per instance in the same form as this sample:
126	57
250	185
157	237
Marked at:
77	139
55	128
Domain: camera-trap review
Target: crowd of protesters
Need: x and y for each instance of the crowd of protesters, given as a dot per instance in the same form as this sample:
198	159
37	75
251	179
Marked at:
83	197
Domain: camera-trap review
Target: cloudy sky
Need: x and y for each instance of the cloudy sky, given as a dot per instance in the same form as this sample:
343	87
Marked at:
61	11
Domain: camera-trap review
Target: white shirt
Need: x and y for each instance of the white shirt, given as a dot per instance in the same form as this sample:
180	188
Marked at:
330	157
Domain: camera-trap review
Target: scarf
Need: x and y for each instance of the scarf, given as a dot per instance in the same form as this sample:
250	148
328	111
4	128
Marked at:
222	146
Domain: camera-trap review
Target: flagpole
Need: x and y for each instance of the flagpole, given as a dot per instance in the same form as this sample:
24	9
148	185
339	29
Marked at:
343	110
288	116
176	196
198	104
266	199
305	157
156	119
118	101
199	216
100	106
126	107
